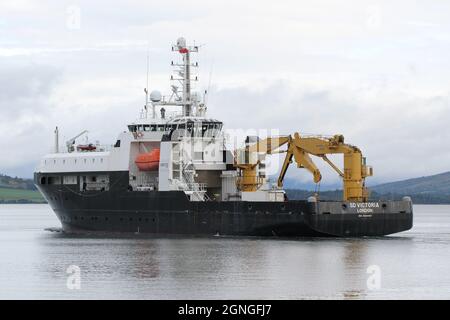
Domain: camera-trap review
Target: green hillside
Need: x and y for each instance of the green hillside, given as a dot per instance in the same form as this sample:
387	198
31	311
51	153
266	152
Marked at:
433	189
9	195
16	183
438	184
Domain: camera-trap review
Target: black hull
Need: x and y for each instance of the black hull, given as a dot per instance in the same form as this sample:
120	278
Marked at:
171	213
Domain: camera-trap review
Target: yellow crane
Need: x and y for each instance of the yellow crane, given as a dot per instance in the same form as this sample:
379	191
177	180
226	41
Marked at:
300	148
246	160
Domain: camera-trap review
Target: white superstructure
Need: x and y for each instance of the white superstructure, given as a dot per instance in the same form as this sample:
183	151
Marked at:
189	147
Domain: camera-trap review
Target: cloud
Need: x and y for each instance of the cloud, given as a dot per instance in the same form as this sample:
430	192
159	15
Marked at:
24	108
373	72
402	135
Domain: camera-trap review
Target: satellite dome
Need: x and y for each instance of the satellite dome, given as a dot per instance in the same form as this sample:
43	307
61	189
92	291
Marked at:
181	43
155	96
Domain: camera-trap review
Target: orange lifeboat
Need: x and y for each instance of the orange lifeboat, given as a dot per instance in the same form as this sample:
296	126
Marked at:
148	161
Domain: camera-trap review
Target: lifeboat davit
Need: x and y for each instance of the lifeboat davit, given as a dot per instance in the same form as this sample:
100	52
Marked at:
148	161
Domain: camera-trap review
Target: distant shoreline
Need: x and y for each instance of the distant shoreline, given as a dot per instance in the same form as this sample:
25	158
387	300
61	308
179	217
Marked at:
19	195
22	202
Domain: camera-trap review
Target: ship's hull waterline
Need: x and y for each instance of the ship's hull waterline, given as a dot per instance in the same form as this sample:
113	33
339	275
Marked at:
119	210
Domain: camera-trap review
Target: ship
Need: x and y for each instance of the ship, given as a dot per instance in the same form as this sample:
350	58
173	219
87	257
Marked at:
173	173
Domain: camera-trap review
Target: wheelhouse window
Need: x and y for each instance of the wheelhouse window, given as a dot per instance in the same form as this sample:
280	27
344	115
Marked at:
54	180
210	129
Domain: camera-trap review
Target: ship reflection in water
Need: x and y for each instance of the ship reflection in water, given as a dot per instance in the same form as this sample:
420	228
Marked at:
412	264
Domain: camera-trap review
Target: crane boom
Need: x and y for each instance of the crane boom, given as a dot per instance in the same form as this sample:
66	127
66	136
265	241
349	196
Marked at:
269	145
71	142
247	162
355	169
300	149
302	159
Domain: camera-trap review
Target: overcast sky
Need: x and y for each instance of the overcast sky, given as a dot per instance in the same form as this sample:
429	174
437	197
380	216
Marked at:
376	71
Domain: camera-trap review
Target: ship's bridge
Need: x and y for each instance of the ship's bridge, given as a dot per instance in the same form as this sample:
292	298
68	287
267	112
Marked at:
197	127
191	126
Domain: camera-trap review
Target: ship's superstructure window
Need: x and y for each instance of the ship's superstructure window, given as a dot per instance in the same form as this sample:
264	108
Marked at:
195	128
54	180
117	144
70	180
147	128
198	155
94	183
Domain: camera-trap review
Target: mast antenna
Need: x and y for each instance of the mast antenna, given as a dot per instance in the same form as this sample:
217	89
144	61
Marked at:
148	65
209	82
146	87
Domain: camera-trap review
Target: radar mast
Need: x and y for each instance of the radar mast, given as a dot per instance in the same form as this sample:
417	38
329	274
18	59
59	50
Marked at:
181	91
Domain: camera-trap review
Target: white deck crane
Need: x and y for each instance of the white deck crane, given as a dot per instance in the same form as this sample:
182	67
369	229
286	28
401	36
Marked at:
71	142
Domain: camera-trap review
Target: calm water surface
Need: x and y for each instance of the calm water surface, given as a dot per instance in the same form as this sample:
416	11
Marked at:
33	263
